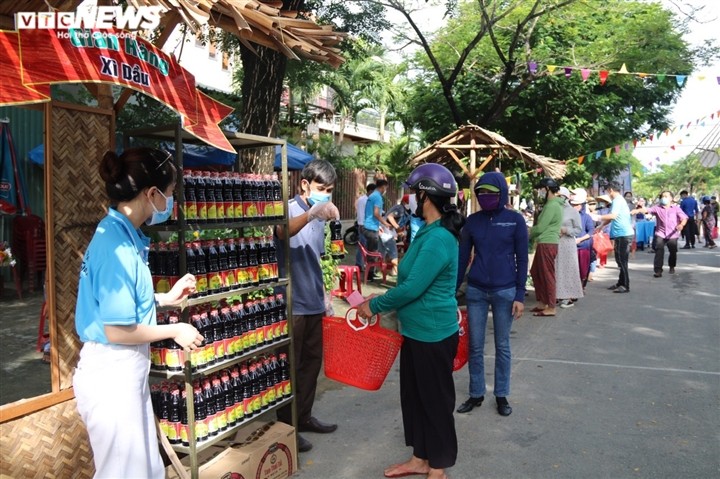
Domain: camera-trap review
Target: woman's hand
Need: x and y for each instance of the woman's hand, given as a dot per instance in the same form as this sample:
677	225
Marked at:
364	310
187	336
517	309
180	290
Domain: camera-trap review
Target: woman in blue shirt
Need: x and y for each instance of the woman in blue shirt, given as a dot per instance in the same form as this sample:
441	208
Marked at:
115	316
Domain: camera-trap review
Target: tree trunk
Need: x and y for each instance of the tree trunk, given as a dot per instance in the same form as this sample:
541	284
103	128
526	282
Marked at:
263	75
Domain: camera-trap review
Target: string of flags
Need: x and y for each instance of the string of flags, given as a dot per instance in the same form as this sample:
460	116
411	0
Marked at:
603	75
643	140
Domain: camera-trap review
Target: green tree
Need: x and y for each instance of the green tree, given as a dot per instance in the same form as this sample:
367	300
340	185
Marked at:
684	174
555	116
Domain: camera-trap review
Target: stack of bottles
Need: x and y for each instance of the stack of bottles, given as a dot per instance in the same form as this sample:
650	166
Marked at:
229	331
212	197
218	265
222	400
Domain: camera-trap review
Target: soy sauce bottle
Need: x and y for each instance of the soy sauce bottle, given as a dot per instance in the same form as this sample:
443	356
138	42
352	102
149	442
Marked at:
337	245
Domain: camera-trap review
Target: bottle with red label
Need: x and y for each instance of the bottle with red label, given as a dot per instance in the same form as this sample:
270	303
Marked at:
269	205
256	389
215	282
161	280
210	198
237	196
265	272
253	268
157	348
173	264
227	195
220	410
209	401
201	276
201	198
285	375
174	353
173	427
190	200
279	208
202	421
226	275
232	263
243	275
184	428
247	391
235	384
207	332
217	185
282	315
228	324
250	210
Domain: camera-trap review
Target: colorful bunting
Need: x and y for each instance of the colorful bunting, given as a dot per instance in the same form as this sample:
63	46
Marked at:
585	73
623	69
680	79
532	66
603	76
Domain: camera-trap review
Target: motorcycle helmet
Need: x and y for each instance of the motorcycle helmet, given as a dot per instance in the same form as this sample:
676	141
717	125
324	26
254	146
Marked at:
434	179
550	184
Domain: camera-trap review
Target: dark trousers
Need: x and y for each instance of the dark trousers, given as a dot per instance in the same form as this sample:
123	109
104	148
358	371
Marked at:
622	255
308	350
372	243
690	230
427	398
672	246
707	232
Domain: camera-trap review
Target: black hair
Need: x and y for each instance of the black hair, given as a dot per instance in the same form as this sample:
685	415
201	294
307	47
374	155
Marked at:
370	188
684	192
628	191
706	201
666	191
612	185
127	175
380	183
450	218
319	171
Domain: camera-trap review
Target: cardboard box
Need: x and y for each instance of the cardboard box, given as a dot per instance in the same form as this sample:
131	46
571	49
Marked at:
259	451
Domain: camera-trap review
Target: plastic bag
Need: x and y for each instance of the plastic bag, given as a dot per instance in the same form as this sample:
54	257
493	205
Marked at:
601	243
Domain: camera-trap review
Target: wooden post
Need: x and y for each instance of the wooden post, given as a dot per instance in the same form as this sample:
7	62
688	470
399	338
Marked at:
473	176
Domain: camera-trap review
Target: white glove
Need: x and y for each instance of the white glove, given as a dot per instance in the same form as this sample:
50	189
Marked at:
323	211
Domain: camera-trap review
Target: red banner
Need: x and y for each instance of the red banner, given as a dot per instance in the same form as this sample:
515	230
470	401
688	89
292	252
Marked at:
32	60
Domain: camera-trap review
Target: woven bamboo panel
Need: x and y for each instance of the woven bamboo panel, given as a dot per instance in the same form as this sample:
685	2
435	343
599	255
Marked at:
51	443
79	139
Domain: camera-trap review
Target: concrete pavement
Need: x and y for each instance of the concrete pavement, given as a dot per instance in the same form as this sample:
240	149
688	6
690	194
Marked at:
620	386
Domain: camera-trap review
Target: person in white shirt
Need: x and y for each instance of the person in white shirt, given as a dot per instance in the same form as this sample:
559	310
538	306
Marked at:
360	220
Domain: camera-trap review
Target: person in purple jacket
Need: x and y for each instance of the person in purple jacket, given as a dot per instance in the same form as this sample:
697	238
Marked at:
670	222
498	237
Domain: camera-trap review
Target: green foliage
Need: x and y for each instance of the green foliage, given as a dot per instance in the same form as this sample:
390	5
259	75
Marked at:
555	116
685	174
329	265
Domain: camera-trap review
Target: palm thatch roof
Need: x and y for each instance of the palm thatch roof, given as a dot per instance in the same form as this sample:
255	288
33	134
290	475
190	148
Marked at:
253	22
463	145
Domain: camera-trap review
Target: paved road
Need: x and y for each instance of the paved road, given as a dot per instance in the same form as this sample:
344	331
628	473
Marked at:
620	386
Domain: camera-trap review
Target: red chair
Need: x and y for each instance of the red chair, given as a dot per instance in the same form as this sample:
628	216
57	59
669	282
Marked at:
28	242
374	260
347	274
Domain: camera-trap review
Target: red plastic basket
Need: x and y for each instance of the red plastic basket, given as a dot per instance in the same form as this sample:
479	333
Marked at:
463	350
359	356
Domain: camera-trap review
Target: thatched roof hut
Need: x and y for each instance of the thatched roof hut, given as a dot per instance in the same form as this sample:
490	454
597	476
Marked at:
260	22
463	146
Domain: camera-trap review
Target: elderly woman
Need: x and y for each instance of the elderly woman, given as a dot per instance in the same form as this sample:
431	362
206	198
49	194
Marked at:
568	285
578	199
546	234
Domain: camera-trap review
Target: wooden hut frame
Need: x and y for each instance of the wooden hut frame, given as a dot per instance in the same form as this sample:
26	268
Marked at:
467	144
44	436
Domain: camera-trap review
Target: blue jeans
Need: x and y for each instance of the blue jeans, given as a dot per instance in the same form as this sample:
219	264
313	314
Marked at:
478	302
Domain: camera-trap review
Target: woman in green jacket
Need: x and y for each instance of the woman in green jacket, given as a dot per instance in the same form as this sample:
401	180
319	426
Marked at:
427	312
546	234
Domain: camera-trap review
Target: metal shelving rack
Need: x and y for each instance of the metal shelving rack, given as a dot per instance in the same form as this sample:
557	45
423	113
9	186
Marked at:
240	141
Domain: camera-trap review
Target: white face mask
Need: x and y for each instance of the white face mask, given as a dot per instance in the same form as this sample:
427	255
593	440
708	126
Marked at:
412	203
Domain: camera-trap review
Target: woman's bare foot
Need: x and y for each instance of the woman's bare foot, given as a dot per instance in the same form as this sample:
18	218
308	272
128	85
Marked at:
412	467
436	474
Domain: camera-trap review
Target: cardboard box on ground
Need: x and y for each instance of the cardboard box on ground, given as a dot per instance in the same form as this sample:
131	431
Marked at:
259	451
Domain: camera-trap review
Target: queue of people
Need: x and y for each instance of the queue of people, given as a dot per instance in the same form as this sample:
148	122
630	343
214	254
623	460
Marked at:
116	306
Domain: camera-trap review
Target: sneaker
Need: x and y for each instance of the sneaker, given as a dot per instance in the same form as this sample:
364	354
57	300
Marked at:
566	303
621	289
658	274
672	270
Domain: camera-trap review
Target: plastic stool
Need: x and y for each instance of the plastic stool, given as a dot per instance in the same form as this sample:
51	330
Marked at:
347	273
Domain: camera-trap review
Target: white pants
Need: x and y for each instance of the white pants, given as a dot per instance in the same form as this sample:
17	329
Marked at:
113	399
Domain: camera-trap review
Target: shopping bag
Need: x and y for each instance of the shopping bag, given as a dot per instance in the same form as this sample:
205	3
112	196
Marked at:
601	243
714	233
463	350
357	352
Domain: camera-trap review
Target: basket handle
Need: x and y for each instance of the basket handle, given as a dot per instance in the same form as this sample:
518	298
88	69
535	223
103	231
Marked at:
351	317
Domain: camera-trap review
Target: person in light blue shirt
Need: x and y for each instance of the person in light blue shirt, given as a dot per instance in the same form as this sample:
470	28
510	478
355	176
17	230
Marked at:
115	316
374	219
621	231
